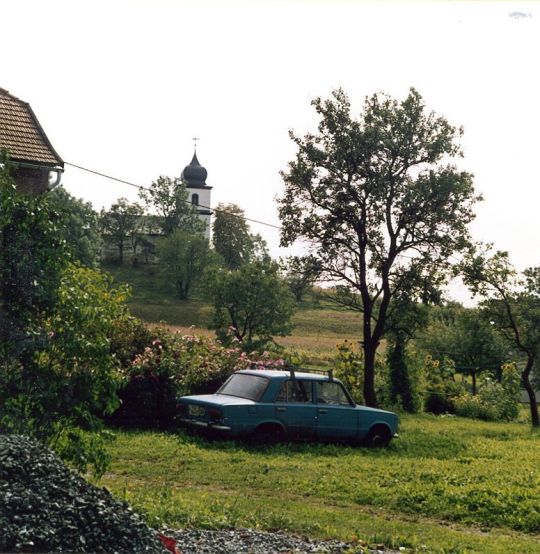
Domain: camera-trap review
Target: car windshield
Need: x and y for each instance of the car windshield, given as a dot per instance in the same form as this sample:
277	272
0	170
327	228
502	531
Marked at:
244	385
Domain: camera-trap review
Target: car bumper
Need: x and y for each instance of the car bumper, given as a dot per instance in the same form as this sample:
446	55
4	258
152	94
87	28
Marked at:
205	425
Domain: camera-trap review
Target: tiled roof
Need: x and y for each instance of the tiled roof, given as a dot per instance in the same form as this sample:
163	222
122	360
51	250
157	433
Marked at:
22	135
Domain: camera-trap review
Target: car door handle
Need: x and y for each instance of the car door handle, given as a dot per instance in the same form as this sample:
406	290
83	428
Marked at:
281	409
322	411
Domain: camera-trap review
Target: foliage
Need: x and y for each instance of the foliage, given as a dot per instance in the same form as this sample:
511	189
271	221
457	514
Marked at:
169	198
348	365
173	365
512	304
184	257
120	223
253	302
466	336
60	393
301	273
231	236
441	386
441	482
80	226
33	254
376	201
128	337
495	401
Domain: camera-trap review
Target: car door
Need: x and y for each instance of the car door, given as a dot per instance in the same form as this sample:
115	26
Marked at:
337	417
295	408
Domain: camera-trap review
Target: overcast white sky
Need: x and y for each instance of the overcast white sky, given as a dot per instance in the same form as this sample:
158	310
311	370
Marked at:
123	86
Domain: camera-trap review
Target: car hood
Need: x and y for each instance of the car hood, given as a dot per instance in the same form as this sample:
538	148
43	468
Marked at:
374	410
216	399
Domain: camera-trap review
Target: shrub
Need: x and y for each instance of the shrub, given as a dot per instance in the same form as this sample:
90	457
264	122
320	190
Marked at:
60	392
441	386
495	401
129	337
174	365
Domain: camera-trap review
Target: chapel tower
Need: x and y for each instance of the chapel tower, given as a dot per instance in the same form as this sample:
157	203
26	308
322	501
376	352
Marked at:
194	177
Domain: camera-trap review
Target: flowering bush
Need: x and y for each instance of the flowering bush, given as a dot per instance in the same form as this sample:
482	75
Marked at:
174	365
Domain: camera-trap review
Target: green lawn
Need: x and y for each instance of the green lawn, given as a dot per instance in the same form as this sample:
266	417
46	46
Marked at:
447	484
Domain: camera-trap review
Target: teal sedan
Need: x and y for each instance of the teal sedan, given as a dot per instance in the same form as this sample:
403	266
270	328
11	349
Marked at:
271	406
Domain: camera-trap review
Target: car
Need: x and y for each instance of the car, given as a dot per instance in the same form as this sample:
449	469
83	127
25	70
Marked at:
274	405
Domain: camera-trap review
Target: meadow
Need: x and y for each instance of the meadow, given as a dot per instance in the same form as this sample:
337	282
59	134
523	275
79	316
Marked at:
448	484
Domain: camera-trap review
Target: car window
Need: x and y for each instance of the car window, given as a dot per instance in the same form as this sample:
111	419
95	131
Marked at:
244	385
295	390
329	392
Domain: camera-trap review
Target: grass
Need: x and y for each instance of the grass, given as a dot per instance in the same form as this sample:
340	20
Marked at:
446	485
318	326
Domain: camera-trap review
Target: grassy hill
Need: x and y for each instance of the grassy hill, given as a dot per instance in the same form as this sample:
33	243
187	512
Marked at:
318	325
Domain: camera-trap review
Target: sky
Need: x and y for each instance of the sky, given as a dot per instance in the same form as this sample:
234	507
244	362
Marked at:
123	86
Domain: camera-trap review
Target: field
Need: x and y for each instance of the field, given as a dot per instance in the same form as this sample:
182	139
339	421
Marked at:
446	485
318	325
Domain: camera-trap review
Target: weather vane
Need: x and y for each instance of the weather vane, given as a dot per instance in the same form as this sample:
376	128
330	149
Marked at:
195	139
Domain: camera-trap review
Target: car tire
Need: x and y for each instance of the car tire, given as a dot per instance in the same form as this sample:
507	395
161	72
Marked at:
378	437
268	433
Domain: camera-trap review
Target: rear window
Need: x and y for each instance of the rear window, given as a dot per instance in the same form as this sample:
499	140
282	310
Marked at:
244	385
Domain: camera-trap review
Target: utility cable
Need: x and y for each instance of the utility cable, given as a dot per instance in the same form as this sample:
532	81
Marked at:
216	210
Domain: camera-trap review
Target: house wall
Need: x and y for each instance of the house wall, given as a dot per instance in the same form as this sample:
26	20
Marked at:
30	180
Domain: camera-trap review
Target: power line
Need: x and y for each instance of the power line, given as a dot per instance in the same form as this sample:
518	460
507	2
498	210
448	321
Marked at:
186	201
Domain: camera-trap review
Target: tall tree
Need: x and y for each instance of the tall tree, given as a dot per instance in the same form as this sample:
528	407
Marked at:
512	303
372	196
120	223
231	236
169	198
184	257
80	228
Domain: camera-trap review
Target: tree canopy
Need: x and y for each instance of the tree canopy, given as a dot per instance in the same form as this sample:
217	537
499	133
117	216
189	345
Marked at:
252	304
512	304
169	198
81	226
231	236
122	221
184	257
375	196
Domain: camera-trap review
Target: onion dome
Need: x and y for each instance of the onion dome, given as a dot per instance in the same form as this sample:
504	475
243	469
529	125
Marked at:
194	174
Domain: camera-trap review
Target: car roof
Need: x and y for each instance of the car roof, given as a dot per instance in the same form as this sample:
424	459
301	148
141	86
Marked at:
285	374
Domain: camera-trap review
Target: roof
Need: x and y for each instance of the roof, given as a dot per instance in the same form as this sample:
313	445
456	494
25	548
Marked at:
194	175
285	374
22	135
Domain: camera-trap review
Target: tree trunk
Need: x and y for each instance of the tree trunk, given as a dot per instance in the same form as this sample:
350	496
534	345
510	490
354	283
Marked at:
473	375
535	420
370	398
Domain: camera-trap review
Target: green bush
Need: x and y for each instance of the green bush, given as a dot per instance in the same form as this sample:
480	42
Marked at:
495	401
441	386
174	365
60	393
129	337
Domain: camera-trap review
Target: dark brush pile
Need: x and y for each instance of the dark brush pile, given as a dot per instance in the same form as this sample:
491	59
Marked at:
46	507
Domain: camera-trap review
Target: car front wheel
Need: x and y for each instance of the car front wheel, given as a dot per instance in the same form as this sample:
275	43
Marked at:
378	437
